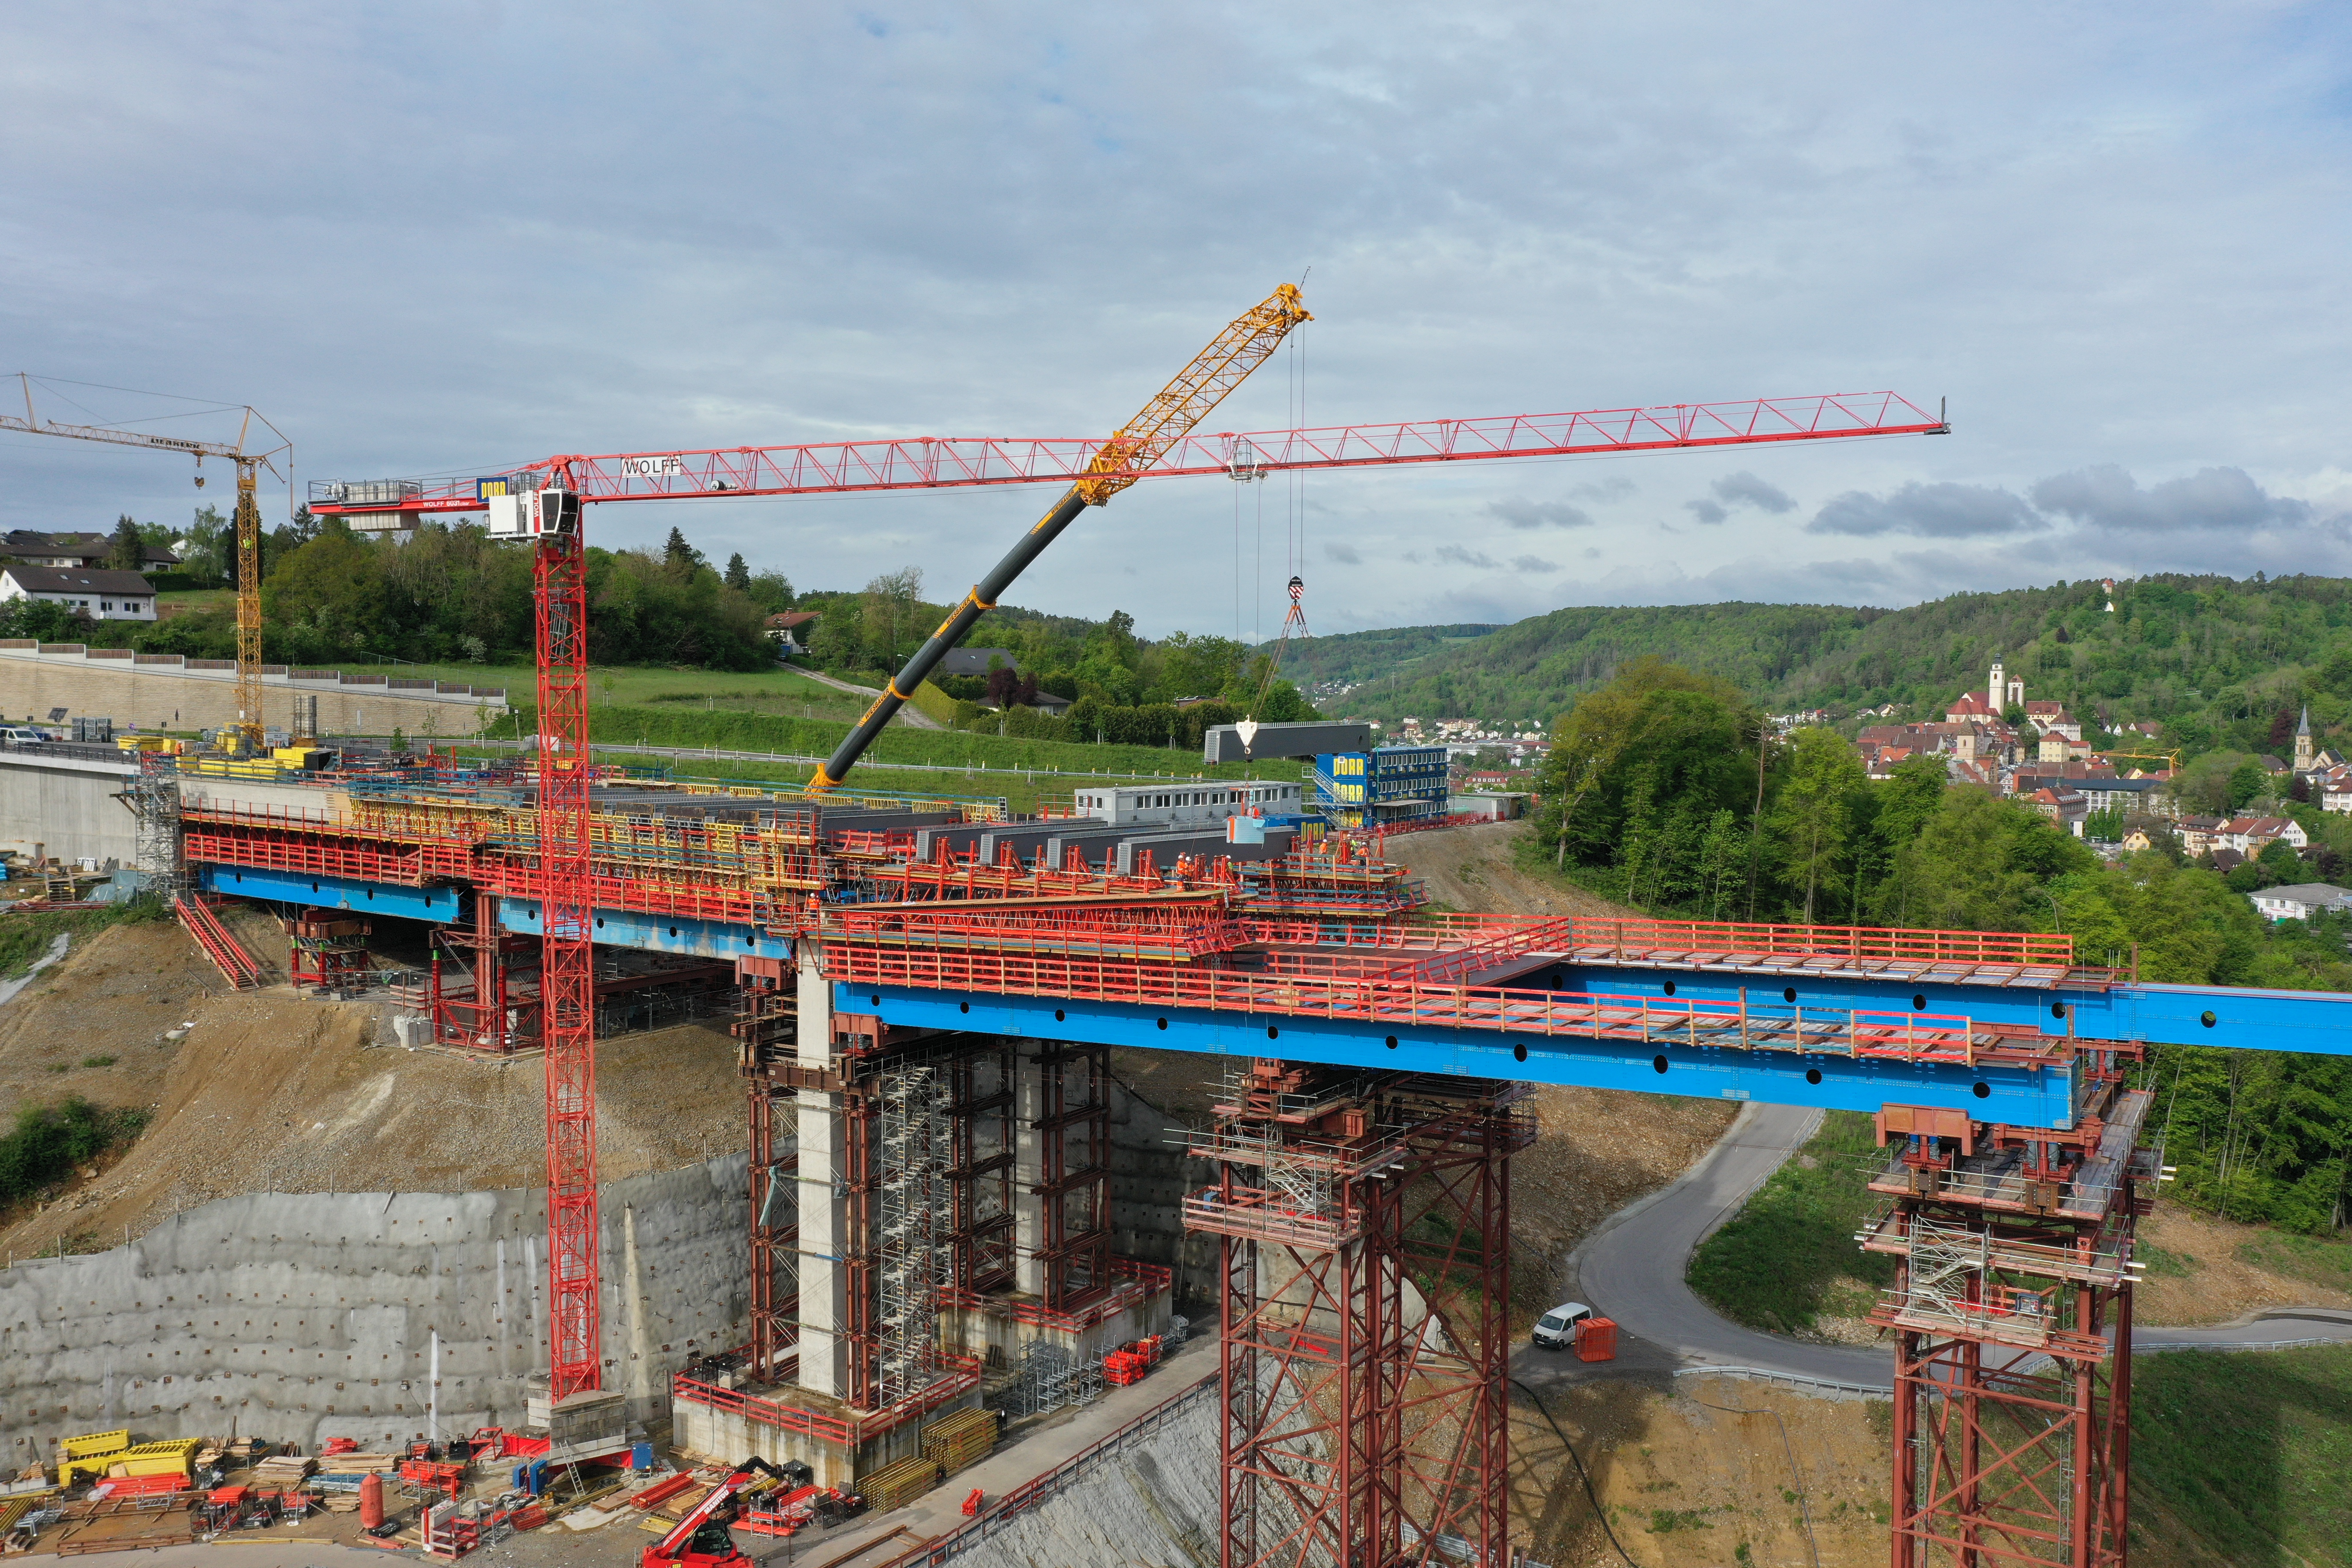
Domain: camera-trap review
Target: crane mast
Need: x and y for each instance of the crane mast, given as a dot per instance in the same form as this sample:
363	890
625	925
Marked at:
247	522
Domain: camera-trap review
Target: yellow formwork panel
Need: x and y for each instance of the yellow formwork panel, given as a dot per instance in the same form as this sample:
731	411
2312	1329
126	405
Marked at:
90	1442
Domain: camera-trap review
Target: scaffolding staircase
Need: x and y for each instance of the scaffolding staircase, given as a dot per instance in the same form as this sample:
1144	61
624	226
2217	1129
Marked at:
238	965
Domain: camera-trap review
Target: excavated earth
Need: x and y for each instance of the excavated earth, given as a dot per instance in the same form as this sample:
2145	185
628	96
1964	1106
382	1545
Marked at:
268	1091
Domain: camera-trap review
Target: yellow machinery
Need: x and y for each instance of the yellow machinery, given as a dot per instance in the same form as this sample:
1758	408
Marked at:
1245	344
90	1444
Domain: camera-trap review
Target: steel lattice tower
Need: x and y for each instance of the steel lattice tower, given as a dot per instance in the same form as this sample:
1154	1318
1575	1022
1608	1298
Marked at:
1365	1280
2012	1319
567	1000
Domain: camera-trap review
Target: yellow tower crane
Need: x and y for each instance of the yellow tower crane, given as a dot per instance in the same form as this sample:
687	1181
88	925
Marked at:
249	465
1133	447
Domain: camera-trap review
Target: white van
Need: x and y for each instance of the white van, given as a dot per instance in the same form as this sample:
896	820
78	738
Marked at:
1556	1329
18	735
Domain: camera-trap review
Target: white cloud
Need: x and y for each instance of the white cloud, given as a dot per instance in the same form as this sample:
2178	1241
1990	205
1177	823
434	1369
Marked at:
1744	489
723	224
1935	511
1520	513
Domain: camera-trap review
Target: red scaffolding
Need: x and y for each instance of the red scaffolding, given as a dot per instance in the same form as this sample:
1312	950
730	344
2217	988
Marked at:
2011	1313
1365	1280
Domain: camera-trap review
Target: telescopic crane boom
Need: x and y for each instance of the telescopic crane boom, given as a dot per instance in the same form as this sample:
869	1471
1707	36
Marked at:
249	523
1164	421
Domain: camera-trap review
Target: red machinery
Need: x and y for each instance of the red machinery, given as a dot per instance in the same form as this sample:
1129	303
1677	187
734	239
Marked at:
701	1539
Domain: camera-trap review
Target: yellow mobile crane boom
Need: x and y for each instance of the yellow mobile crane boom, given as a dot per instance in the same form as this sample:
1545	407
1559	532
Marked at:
1164	421
248	522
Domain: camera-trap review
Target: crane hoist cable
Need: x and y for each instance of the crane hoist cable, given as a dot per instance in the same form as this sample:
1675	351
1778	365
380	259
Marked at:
1296	620
1167	419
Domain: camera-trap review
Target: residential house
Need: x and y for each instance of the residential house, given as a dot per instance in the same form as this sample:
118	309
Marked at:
1985	776
2250	835
975	661
2272	765
87	551
2300	900
2062	805
2197	834
2131	796
1968	708
2052	717
791	631
103	596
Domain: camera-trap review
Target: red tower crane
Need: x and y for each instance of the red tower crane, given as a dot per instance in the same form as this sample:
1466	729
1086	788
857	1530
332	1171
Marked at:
542	503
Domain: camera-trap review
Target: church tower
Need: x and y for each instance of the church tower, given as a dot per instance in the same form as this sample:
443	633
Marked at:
1995	693
2302	742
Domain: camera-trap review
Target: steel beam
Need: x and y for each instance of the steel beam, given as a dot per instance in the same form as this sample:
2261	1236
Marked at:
2019	1097
2316	1022
441	905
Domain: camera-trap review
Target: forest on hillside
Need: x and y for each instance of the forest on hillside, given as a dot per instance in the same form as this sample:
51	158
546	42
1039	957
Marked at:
1666	790
2211	658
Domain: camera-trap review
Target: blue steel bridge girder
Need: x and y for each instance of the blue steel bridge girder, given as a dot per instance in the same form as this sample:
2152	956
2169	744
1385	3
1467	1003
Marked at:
2310	1022
2316	1022
2023	1097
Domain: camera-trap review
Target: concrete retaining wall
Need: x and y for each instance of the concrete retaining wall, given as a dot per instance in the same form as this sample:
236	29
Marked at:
164	691
1151	1498
302	1317
1149	1175
68	804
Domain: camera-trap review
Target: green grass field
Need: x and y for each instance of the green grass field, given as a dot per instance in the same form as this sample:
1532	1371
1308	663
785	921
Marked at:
2320	1260
777	691
946	751
2252	1451
1787	1258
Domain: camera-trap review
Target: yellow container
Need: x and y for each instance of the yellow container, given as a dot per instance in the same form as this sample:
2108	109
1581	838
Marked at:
90	1442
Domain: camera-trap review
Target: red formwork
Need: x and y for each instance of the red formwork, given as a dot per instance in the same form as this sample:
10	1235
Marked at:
959	1375
1185	926
311	850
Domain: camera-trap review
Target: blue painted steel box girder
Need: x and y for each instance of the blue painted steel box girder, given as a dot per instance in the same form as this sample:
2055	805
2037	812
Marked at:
2309	1022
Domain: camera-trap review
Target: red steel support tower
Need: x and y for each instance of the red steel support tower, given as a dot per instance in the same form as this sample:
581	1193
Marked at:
2012	1322
567	996
1365	1277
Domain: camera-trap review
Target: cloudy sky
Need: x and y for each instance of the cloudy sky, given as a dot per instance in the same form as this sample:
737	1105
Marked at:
449	237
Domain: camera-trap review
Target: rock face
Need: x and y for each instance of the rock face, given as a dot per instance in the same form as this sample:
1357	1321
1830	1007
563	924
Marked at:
1149	1497
302	1317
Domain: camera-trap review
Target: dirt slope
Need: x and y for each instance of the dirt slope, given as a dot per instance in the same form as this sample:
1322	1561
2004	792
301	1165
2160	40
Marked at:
1475	868
270	1091
1701	1476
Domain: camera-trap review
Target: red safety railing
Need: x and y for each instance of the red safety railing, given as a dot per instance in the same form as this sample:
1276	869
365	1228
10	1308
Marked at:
1661	939
1133	1283
964	1376
236	964
1381	1001
1191	927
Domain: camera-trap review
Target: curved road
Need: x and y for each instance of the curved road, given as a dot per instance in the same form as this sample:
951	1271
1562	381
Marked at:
1632	1270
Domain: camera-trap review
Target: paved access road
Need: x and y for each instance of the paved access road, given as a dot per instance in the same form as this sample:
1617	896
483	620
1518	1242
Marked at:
1632	1270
